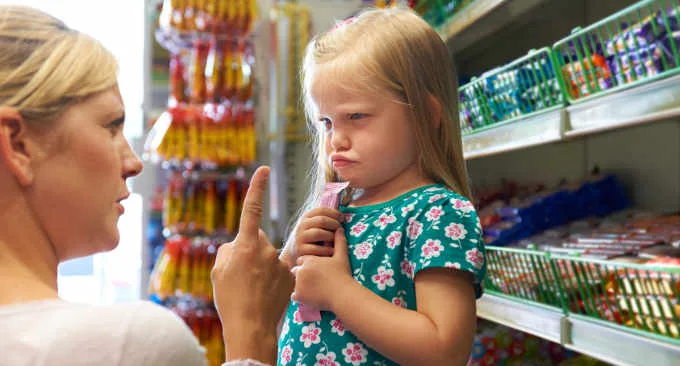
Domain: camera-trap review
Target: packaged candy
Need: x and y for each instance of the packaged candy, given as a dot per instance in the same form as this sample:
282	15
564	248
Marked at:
329	198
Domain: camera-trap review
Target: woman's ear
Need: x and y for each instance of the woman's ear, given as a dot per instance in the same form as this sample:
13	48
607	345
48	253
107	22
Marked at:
436	110
14	145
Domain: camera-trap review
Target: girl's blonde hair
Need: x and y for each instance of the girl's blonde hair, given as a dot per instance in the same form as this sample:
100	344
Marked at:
394	52
45	67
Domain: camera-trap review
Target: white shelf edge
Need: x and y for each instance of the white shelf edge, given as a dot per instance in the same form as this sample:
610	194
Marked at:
541	322
468	16
619	347
535	130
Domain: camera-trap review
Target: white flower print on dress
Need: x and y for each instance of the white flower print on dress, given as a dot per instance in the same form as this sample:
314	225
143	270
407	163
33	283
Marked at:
337	327
385	220
349	217
326	359
394	239
297	317
455	231
408	208
462	205
432	248
363	250
414	229
475	257
286	355
455	265
358	229
434	213
384	278
310	335
433	189
407	268
399	301
355	353
285	328
435	198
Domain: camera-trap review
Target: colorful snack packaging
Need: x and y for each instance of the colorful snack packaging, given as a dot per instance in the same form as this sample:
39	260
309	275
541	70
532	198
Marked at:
329	198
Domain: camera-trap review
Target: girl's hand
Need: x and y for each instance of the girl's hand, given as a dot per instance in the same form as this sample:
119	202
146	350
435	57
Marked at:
319	279
316	227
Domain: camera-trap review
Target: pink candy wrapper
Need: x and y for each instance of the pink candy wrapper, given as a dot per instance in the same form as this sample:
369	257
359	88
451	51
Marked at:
329	198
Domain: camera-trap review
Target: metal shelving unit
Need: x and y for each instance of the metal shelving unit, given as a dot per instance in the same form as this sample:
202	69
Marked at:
653	102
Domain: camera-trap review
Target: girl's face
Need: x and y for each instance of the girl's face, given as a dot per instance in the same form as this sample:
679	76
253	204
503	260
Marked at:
369	138
80	178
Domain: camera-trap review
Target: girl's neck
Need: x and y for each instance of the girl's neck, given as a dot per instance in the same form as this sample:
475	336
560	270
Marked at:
403	183
27	258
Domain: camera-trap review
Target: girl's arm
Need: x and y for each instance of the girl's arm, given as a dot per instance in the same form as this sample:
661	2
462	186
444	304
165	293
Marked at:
441	332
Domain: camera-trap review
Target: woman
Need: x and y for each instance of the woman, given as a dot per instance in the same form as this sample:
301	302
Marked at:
63	166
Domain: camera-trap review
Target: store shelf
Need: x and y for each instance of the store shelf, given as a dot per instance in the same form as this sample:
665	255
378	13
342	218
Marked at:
591	337
536	130
538	320
653	102
619	347
482	18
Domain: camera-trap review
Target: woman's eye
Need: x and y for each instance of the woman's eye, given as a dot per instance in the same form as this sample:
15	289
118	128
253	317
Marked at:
116	125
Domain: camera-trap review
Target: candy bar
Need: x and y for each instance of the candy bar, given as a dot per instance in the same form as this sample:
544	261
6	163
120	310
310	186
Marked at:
329	198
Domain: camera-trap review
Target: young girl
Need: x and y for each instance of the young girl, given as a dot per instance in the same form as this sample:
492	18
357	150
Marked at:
400	283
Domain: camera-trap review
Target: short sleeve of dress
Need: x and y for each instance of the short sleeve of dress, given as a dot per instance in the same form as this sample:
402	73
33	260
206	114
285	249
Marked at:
447	233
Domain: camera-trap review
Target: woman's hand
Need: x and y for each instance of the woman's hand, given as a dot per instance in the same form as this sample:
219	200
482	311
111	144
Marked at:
318	280
252	286
314	234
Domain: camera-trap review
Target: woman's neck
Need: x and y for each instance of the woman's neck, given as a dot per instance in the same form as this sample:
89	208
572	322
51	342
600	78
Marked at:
27	259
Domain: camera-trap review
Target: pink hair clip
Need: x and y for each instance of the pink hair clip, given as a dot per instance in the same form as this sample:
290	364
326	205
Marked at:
343	23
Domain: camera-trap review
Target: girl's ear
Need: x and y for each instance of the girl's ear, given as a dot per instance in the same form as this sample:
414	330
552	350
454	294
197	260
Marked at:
436	110
15	147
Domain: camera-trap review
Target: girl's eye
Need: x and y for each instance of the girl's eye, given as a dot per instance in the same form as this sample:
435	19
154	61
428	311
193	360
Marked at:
326	123
355	116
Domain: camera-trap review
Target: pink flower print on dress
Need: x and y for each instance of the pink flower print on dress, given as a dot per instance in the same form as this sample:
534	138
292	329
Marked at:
326	359
355	354
384	278
415	228
358	229
394	239
348	217
432	248
285	328
455	231
310	335
363	250
385	220
407	268
462	205
399	301
454	265
475	257
434	213
337	327
435	198
286	355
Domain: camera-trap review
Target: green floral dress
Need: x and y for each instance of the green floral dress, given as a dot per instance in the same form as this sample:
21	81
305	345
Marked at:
389	244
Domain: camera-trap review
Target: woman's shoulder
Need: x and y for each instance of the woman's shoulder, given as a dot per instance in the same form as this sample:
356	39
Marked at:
135	333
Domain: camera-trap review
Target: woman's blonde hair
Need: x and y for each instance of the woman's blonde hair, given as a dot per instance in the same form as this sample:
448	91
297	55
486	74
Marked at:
392	52
45	67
